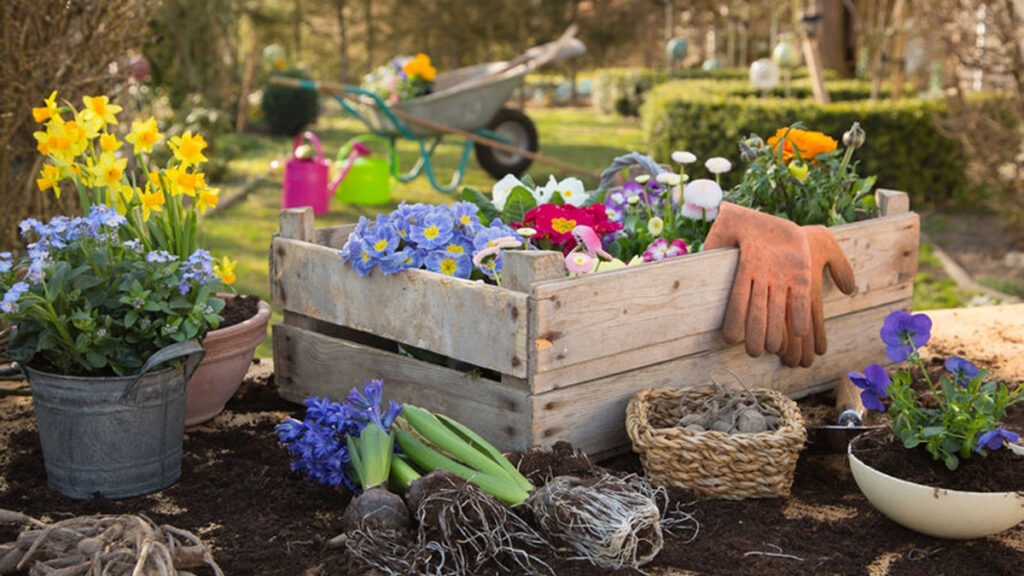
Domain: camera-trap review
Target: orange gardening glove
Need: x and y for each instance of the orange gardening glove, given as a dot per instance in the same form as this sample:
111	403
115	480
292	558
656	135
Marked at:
771	291
825	254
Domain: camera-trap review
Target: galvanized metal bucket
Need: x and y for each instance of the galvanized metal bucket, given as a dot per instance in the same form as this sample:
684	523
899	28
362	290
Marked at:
115	437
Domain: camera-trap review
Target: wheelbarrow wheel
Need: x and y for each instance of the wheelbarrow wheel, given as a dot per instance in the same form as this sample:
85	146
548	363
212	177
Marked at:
519	130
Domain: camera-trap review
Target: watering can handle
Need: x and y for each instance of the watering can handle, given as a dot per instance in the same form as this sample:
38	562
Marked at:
350	154
307	135
192	350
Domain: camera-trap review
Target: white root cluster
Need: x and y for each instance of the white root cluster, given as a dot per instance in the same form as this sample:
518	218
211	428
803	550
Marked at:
606	521
462	531
102	545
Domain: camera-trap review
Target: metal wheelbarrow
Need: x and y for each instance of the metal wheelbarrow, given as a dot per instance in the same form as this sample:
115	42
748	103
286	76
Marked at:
468	102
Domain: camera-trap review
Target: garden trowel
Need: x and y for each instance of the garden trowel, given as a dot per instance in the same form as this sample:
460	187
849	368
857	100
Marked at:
849	420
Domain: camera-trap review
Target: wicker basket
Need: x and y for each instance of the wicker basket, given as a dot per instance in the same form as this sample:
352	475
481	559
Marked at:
714	464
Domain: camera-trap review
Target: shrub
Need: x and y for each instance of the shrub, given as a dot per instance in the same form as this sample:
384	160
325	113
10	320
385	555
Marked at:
903	147
287	111
622	90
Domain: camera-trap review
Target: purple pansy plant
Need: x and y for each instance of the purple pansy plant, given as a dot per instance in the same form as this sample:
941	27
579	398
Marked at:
960	413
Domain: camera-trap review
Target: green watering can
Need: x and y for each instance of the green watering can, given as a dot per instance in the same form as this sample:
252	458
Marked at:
364	177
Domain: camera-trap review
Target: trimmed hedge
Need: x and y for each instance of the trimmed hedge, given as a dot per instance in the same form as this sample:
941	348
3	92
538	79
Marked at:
621	90
903	147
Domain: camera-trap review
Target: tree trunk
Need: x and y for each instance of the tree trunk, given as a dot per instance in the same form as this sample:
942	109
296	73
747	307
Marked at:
339	13
368	11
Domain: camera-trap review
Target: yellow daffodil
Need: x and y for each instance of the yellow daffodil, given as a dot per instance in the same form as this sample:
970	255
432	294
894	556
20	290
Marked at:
109	143
188	149
49	178
183	182
100	108
207	198
152	200
225	269
108	170
120	197
144	135
90	124
43	114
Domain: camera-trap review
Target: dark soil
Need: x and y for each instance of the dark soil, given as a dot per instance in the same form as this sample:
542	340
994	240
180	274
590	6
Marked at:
237	493
238	309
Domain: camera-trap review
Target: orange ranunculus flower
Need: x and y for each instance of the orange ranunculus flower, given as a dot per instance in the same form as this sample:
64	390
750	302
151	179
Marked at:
809	143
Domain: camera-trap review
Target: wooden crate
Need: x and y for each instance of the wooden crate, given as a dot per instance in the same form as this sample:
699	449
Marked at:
567	352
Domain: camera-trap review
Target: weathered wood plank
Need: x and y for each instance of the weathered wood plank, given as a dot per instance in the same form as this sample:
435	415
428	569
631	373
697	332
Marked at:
334	236
308	364
591	415
471	321
605	323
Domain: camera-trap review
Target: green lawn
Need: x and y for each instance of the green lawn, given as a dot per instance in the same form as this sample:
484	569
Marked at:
581	137
578	136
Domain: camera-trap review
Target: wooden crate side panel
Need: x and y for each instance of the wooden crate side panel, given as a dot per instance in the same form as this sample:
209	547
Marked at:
470	321
593	326
307	363
591	415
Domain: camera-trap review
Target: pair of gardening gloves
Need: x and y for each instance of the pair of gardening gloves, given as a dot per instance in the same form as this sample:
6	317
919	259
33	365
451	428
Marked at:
776	297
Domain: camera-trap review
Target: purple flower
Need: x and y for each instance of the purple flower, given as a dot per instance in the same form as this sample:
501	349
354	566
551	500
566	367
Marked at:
873	382
994	439
661	249
962	370
903	333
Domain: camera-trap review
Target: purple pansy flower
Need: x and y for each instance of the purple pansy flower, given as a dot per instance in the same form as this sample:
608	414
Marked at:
903	333
962	370
994	439
874	383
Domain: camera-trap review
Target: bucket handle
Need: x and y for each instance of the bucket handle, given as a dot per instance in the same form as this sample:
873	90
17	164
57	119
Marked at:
307	135
191	349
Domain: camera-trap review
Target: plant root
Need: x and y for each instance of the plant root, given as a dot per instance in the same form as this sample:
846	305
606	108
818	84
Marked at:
604	520
102	545
461	531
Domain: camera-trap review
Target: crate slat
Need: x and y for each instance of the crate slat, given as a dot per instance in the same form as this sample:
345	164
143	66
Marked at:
307	363
593	325
471	321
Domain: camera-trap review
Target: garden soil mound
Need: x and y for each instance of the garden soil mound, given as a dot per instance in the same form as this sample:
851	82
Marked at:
237	494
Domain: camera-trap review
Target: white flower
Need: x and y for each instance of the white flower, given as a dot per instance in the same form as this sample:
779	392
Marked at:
526	232
703	192
718	165
571	189
683	157
669	178
691	211
502	188
642	179
655	225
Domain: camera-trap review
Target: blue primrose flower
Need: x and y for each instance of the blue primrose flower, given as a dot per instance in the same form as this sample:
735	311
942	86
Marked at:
903	333
465	216
443	262
994	439
874	383
434	230
962	370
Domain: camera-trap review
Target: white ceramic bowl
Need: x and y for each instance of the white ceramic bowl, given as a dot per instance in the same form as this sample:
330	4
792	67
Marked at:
936	511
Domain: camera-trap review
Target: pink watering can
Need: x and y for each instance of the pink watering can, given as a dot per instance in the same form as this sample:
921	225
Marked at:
305	179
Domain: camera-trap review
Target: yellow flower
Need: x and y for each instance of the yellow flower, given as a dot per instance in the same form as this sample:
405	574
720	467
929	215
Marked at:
152	201
62	140
225	269
119	197
420	66
109	143
207	198
100	108
108	170
188	149
183	182
144	135
43	114
49	178
798	169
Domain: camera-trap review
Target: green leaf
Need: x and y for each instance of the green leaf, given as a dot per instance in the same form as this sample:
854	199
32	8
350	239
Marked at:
518	203
930	431
556	199
487	210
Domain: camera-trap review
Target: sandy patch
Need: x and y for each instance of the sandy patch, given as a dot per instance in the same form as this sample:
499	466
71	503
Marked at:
795	509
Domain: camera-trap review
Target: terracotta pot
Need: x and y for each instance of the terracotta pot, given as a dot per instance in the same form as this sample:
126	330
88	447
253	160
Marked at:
934	511
229	353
